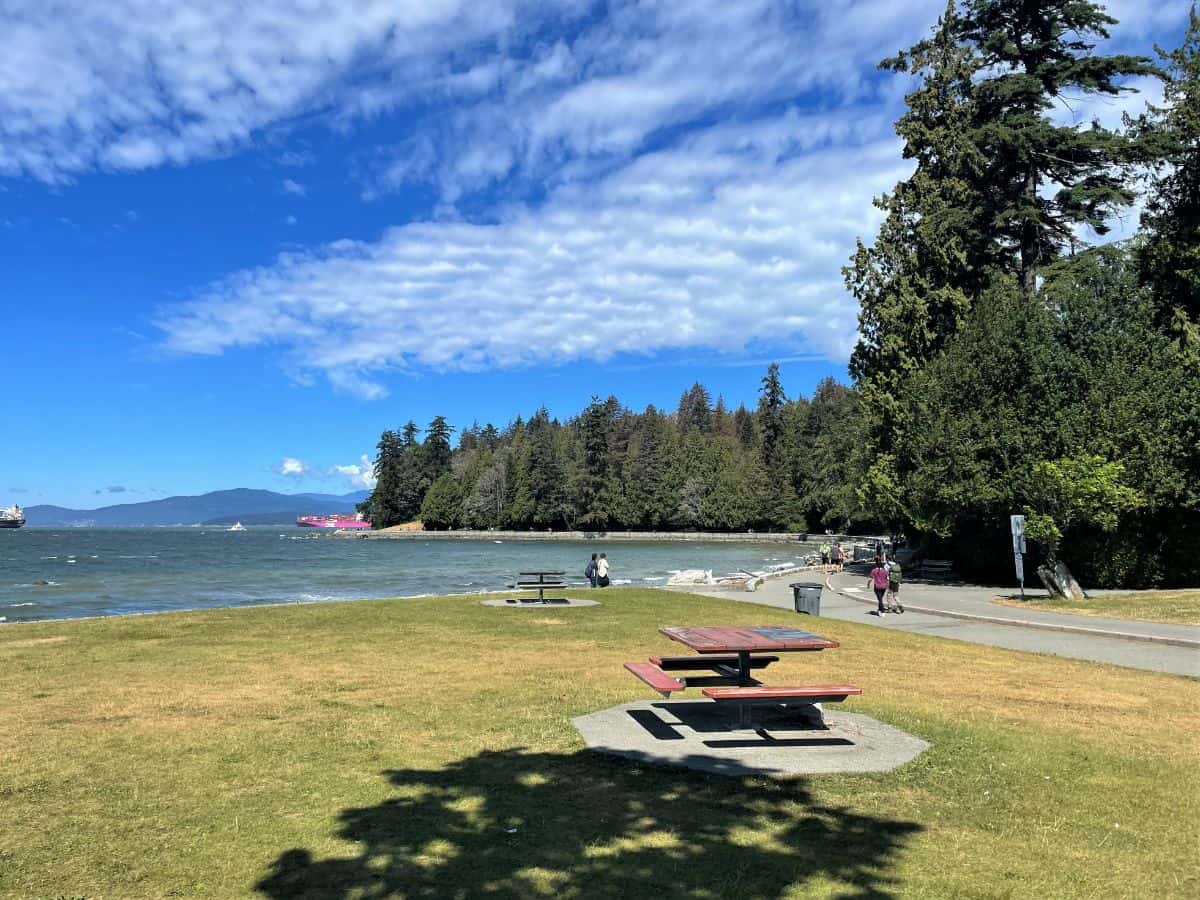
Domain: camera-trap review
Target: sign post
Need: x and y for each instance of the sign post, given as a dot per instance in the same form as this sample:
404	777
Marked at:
1018	541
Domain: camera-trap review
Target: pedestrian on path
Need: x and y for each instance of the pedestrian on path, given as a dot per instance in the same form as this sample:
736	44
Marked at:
895	576
837	556
878	580
602	571
825	554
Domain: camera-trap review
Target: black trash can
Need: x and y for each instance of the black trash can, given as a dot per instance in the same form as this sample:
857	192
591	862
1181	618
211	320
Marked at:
807	596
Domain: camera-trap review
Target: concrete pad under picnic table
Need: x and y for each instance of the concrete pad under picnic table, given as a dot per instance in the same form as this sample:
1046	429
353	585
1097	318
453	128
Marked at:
700	734
568	603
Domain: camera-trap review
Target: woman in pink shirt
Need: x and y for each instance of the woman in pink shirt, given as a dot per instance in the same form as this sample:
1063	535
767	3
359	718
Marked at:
878	579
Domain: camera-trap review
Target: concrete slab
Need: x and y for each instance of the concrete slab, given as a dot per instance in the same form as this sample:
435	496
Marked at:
698	734
570	603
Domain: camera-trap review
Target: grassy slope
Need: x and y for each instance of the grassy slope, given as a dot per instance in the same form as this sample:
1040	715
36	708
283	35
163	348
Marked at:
1179	607
316	749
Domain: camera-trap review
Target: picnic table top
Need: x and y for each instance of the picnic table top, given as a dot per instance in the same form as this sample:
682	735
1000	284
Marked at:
543	572
746	638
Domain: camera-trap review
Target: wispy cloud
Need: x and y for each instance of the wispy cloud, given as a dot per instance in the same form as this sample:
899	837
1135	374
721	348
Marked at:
734	236
294	188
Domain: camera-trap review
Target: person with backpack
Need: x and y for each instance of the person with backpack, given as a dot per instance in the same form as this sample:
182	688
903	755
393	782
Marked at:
590	572
602	571
895	575
879	580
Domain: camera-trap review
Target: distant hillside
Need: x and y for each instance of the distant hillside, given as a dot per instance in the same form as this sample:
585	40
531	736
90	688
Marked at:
241	504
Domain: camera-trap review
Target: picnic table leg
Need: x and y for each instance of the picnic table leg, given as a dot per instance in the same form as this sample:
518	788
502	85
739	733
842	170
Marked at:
744	669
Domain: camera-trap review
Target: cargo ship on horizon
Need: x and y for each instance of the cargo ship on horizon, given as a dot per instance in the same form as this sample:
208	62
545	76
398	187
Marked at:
12	517
336	520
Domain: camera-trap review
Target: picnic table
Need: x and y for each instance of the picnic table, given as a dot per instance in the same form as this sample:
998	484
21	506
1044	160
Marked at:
545	580
728	657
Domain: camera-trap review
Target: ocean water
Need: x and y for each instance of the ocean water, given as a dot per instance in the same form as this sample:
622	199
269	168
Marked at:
68	573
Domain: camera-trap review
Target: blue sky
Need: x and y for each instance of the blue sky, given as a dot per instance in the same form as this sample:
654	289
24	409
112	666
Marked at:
236	244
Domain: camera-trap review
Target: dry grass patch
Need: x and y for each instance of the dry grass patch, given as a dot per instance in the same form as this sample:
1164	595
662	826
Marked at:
1171	607
374	749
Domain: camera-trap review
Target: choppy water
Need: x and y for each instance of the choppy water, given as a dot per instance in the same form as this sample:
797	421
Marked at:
115	571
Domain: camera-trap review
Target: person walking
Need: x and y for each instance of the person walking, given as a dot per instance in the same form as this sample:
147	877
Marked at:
824	554
895	576
602	571
837	556
878	580
590	572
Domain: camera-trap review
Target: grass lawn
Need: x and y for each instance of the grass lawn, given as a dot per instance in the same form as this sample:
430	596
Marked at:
1178	607
423	748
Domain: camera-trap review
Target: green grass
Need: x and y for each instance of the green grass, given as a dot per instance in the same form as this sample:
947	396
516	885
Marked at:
1178	607
324	751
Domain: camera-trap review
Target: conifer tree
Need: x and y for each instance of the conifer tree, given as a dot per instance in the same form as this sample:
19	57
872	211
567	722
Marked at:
436	449
933	251
595	426
1033	56
1169	255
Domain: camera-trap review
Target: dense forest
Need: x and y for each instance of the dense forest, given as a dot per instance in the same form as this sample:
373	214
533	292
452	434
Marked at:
1004	364
702	466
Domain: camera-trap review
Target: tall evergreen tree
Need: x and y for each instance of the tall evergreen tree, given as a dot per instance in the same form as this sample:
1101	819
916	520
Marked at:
1169	255
436	449
382	506
931	256
695	409
595	426
1035	55
771	401
546	480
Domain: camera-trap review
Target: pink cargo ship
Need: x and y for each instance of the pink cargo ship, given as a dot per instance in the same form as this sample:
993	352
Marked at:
337	520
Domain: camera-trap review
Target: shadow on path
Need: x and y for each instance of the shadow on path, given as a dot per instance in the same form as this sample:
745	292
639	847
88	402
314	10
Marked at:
513	824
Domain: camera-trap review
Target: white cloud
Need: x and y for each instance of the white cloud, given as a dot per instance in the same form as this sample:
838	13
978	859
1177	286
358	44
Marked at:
359	475
494	88
130	84
290	467
732	237
290	220
294	187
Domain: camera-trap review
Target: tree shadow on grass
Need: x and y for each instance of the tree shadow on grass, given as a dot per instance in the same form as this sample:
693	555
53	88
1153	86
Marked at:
518	824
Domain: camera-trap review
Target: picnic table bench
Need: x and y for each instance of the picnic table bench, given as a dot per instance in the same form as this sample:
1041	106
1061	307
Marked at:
728	678
546	580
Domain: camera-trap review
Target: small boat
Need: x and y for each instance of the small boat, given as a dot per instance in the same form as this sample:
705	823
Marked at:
236	526
12	517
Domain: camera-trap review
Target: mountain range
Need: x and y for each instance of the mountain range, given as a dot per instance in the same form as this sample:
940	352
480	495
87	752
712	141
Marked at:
250	507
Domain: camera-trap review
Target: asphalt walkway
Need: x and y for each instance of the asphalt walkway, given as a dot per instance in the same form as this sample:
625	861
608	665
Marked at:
966	613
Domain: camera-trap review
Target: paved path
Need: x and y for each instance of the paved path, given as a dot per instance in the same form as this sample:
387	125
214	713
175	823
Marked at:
965	613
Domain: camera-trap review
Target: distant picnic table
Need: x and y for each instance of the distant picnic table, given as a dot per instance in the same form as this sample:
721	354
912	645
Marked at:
728	655
545	580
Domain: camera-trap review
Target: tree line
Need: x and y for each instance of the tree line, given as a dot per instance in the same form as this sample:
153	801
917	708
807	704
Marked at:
700	467
1009	361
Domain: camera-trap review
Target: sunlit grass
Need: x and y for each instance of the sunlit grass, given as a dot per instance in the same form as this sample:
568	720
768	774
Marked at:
424	748
1178	607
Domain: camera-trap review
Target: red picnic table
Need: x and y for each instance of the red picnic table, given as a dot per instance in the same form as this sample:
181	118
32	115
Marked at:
728	652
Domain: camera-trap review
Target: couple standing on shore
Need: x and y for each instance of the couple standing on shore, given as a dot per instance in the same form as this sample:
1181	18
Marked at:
597	571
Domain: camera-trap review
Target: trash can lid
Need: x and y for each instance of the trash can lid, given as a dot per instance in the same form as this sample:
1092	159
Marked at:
806	584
